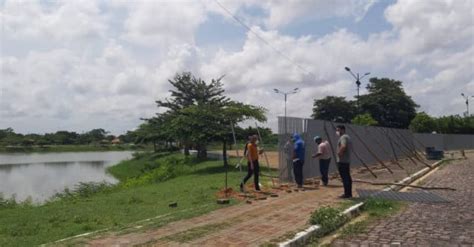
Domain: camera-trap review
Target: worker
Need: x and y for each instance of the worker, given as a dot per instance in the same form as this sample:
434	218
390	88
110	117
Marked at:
344	149
253	167
298	159
324	155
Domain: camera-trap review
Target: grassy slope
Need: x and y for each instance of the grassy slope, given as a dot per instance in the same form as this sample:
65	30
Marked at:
195	194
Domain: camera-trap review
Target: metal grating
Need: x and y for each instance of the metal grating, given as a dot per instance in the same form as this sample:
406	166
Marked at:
422	196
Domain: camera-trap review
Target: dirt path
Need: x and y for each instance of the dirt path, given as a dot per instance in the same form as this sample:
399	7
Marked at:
253	224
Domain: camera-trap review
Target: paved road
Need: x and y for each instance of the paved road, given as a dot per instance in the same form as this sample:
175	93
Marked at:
421	224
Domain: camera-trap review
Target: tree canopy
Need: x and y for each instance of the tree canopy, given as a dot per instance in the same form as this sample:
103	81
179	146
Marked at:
387	103
423	123
334	108
198	112
364	119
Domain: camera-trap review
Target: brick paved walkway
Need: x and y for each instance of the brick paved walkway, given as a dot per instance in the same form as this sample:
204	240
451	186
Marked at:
422	224
249	224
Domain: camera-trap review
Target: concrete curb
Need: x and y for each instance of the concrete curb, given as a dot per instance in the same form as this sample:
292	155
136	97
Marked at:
302	237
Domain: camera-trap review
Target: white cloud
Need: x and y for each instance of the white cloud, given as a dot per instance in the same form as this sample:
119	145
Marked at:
108	82
444	61
63	21
153	23
284	12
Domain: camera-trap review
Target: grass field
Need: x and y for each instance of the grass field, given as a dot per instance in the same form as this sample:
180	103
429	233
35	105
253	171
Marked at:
147	185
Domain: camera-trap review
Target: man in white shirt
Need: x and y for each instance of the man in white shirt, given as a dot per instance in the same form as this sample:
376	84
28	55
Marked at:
324	155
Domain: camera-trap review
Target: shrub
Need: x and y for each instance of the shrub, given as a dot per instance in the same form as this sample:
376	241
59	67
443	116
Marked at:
84	190
8	202
328	218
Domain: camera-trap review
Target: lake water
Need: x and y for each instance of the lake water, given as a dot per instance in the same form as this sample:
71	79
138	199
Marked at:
41	175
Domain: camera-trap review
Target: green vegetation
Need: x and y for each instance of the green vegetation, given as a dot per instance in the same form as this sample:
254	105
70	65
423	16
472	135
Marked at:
365	119
423	123
197	114
386	102
379	208
148	183
328	218
71	148
333	108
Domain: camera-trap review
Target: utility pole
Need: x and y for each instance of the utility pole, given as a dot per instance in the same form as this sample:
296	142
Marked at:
357	78
467	103
295	90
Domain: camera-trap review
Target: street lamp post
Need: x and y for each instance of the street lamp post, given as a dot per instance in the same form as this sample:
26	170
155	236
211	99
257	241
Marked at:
467	103
357	78
295	90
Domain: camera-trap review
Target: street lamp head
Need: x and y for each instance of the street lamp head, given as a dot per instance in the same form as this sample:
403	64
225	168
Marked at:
296	89
462	94
368	73
276	90
347	68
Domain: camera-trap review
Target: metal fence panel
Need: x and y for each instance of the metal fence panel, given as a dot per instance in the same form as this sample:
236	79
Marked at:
369	143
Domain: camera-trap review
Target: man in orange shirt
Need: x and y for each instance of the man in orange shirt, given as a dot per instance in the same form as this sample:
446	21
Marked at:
253	166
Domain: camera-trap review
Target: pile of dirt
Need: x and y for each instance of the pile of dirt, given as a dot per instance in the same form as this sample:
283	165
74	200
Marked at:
229	193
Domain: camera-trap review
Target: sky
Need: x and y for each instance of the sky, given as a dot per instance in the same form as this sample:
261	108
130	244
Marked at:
84	64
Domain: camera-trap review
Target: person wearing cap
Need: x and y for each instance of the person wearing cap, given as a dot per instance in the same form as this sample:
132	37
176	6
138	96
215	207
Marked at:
324	155
298	159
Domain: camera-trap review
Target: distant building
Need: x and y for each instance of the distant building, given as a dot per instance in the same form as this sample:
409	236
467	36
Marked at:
116	141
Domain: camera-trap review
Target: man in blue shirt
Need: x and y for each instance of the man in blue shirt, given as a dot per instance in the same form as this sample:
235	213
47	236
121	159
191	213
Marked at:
298	159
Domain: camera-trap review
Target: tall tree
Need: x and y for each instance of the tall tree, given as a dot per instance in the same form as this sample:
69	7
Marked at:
198	112
334	108
388	103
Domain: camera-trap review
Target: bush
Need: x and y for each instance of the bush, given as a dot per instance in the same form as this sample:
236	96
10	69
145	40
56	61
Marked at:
12	203
162	170
328	218
7	203
82	190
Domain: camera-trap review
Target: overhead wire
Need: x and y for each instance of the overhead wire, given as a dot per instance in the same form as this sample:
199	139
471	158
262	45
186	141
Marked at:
264	40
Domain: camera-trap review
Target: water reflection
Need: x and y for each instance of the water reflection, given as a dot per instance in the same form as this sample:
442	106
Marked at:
42	175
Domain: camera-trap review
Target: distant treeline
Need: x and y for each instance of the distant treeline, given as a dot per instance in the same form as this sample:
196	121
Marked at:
8	137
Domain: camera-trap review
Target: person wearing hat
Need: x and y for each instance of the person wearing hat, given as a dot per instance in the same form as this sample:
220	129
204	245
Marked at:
298	159
324	155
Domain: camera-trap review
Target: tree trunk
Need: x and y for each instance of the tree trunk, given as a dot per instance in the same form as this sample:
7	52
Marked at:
224	156
202	152
186	150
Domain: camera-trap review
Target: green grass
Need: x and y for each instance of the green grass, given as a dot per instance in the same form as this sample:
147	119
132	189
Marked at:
70	148
193	187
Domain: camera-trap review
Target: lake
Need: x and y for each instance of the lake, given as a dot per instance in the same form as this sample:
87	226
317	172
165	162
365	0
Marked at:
41	175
